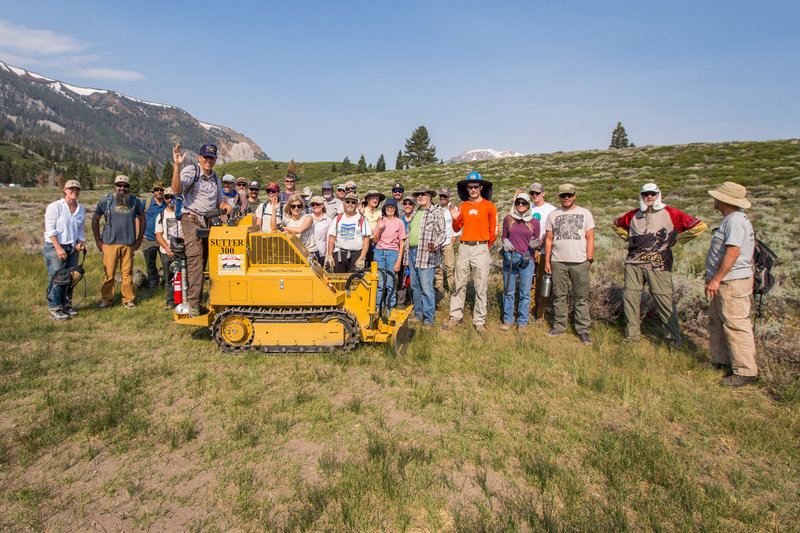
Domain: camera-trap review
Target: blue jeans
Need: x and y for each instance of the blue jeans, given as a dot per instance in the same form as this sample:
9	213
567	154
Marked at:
386	260
59	295
422	289
510	287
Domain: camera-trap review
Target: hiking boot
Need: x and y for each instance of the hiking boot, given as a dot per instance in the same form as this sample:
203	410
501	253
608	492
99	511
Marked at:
506	326
585	339
194	311
451	323
554	333
103	305
737	381
129	305
719	366
69	310
57	314
480	329
522	328
633	340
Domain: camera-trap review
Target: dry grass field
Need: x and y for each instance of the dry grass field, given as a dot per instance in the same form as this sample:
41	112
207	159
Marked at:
122	420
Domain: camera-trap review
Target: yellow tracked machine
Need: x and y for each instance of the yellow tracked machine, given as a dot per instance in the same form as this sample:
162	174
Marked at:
267	293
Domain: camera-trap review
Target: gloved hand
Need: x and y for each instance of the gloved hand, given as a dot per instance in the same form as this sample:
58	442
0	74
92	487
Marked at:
360	263
507	246
534	243
329	262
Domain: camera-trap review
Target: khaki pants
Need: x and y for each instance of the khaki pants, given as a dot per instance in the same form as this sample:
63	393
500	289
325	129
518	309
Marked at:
661	289
446	270
196	254
473	259
578	275
540	303
732	341
114	254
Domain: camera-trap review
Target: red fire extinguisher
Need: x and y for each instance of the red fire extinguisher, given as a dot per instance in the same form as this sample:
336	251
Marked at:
176	285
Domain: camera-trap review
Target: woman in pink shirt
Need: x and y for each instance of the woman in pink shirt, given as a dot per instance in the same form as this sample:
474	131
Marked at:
390	235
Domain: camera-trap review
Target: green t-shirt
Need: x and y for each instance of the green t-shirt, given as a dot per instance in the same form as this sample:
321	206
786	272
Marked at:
414	227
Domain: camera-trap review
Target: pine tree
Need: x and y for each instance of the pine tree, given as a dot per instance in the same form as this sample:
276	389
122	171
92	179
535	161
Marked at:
380	166
41	181
333	167
136	181
291	170
619	138
85	177
149	177
362	165
166	173
347	166
400	163
419	151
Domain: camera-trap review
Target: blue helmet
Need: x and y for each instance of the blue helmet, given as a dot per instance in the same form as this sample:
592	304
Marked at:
474	177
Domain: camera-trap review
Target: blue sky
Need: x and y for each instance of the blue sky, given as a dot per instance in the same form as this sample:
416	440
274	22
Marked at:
324	80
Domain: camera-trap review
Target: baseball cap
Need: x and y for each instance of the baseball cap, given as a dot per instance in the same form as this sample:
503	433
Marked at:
537	187
168	191
122	178
350	183
208	150
158	185
254	185
567	187
273	187
649	187
340	187
445	191
228	178
72	183
326	185
398	186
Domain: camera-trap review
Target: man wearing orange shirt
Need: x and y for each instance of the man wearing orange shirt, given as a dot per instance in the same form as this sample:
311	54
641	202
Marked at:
477	215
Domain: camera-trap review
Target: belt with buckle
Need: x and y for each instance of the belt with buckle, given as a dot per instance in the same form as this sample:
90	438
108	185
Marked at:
474	243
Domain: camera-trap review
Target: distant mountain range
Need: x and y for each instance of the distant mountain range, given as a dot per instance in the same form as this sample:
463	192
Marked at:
481	154
108	122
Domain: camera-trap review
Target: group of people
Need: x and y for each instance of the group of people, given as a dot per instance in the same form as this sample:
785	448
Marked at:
415	238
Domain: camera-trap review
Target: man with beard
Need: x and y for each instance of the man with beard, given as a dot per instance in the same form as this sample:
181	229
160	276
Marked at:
333	205
119	240
236	199
253	191
651	231
202	192
150	244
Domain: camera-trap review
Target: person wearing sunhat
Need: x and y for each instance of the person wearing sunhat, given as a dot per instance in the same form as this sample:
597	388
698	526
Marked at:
569	254
651	231
477	216
426	235
149	248
333	205
201	189
372	212
348	239
168	227
263	214
64	224
408	207
729	284
122	235
233	196
448	267
390	238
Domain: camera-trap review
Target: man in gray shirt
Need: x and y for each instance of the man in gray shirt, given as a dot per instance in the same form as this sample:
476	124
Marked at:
729	284
202	192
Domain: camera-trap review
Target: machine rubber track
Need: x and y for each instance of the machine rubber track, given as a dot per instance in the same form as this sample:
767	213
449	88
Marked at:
286	314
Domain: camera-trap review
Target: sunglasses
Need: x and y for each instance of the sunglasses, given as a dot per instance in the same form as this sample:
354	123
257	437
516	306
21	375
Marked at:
520	202
401	191
536	193
408	202
297	206
350	188
272	191
289	181
566	195
157	189
315	205
649	193
473	187
351	201
251	189
122	185
168	197
443	196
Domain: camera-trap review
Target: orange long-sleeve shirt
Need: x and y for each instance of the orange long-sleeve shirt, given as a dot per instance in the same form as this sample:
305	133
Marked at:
479	221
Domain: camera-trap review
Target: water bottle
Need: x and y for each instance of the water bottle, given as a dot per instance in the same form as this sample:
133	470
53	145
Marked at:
407	278
547	286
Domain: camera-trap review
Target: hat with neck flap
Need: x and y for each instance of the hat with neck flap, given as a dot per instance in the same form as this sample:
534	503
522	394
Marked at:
474	177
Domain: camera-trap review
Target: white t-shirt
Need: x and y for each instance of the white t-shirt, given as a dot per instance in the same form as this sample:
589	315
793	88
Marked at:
307	237
569	229
540	213
349	232
264	212
168	226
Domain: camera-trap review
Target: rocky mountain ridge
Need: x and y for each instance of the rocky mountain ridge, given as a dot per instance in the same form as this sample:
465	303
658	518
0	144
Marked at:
108	122
482	154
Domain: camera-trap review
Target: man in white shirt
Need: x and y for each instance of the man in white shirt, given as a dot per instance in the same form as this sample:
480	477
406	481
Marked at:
348	239
540	210
447	268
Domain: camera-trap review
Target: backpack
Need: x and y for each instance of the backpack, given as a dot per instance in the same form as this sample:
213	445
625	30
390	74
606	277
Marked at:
361	220
109	199
179	197
69	277
763	261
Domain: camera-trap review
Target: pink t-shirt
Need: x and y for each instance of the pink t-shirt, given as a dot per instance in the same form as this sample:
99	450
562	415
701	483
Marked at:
392	234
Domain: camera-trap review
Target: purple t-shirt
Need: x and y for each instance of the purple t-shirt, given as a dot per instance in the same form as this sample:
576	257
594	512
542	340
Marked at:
520	233
392	234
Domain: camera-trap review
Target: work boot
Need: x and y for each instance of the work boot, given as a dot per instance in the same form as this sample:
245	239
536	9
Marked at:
69	311
506	326
451	323
554	333
103	305
585	339
129	305
737	381
480	329
194	311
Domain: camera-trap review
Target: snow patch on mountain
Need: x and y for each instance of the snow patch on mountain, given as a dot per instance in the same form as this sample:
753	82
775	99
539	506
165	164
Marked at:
482	154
